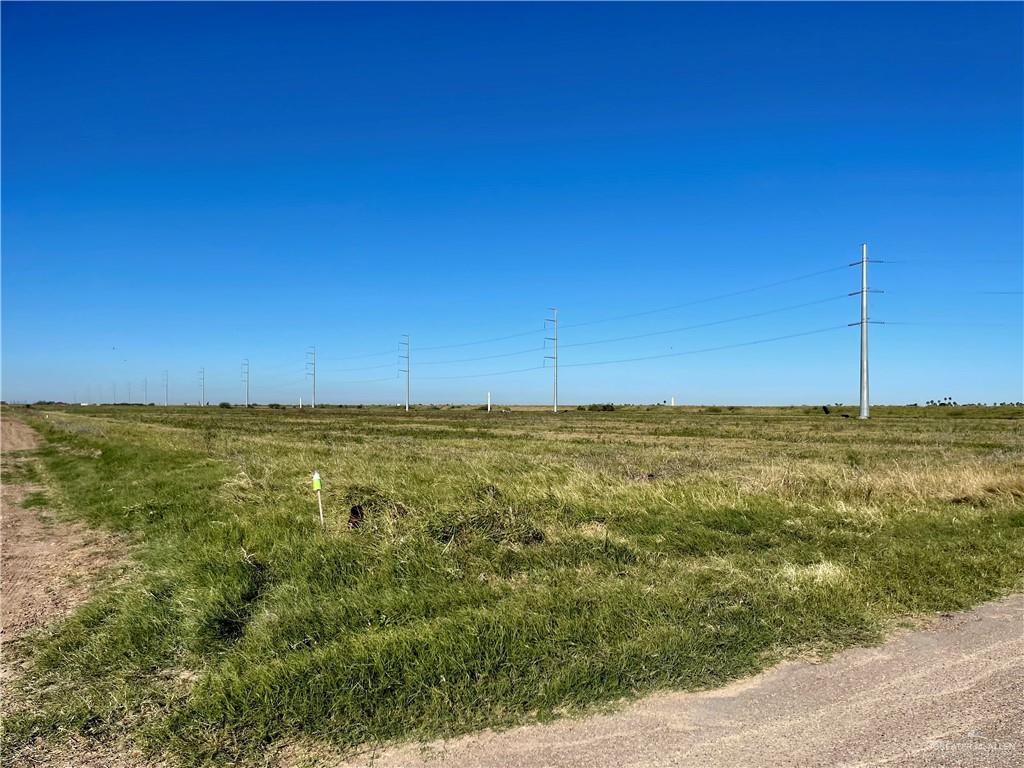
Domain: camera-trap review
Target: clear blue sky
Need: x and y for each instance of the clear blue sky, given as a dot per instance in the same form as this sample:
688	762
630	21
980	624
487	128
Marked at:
188	185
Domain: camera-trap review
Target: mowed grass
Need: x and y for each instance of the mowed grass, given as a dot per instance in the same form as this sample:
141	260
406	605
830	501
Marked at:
508	567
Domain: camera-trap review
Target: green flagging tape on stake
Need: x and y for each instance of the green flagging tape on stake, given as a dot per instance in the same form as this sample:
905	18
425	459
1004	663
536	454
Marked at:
317	483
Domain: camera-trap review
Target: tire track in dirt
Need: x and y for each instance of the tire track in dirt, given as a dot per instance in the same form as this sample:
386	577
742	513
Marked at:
47	568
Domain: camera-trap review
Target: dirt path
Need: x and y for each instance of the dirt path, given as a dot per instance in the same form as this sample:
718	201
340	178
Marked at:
950	695
15	436
45	568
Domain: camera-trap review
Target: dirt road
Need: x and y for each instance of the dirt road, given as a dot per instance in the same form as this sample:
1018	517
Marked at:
45	568
950	695
15	436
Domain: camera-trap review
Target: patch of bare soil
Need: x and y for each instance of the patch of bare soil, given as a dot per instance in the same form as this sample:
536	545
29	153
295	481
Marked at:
15	436
47	567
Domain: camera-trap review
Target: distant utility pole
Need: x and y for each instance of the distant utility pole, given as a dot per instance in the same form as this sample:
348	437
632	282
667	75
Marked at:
865	320
311	371
165	388
245	378
554	356
202	387
405	342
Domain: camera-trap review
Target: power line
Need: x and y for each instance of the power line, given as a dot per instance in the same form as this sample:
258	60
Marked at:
950	262
485	357
367	381
366	355
481	375
361	368
405	346
711	298
950	323
481	341
277	367
707	324
291	383
441	346
645	357
706	349
594	322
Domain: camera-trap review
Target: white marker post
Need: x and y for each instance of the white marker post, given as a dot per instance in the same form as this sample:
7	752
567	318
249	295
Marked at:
317	485
488	402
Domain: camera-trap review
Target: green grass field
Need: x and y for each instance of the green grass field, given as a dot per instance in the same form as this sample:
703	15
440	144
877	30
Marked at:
508	567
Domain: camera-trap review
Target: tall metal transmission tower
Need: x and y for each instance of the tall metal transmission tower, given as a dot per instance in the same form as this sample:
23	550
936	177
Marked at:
554	356
245	379
865	321
865	401
405	342
202	386
311	371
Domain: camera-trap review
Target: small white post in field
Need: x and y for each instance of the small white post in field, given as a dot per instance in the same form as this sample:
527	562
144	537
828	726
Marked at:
300	402
488	402
673	401
317	485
